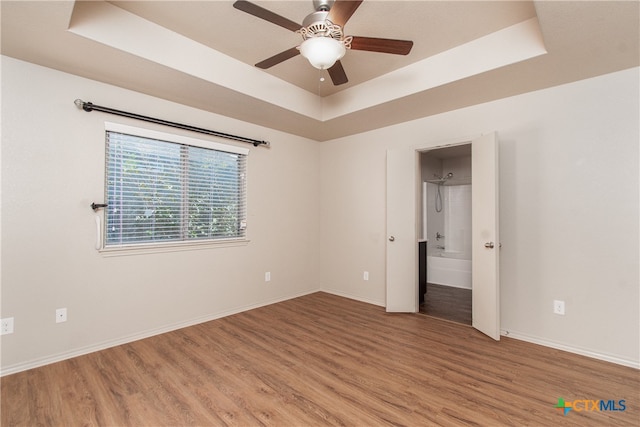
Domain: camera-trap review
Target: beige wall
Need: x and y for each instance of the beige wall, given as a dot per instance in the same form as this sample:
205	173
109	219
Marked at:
53	168
569	210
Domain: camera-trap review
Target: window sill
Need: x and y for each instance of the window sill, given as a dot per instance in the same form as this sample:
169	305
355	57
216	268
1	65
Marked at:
154	248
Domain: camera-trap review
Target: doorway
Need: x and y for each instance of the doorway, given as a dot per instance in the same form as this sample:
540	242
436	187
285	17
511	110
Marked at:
445	263
404	231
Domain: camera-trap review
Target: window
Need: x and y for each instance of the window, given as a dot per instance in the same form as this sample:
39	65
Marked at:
167	188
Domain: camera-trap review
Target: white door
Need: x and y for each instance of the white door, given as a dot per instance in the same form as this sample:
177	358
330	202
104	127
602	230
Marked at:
484	237
402	279
402	196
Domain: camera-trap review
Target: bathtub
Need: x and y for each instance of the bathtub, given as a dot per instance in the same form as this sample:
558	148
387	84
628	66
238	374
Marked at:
446	268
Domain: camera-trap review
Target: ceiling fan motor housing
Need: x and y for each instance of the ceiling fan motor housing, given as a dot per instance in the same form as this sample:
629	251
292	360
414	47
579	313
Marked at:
316	25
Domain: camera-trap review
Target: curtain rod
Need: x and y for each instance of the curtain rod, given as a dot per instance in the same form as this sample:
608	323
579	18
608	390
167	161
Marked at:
89	106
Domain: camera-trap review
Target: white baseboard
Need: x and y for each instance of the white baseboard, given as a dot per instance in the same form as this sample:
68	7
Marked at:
581	351
19	367
354	297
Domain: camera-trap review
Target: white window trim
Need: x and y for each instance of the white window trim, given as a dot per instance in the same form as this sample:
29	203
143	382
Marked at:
169	137
172	246
163	247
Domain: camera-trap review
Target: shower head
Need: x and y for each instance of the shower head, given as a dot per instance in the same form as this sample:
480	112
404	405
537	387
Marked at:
440	180
443	178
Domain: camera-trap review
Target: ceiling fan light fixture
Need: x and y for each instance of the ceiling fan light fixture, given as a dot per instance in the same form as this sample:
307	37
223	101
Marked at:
322	52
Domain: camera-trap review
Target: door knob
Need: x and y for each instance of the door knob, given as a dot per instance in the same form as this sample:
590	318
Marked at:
391	238
489	245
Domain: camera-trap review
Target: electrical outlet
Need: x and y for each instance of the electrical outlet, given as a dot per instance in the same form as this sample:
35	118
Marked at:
6	326
365	275
61	315
267	276
558	307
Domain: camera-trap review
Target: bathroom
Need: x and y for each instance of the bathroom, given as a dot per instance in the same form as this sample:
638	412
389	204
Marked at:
446	232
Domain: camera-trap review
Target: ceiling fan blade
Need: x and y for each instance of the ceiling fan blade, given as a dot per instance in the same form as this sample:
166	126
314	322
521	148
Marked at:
276	59
337	74
374	44
267	15
342	10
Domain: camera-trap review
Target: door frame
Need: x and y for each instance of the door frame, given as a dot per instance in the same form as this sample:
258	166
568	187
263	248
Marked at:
417	150
402	305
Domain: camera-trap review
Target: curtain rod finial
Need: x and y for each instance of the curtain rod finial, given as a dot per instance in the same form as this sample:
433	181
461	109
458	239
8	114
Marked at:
86	106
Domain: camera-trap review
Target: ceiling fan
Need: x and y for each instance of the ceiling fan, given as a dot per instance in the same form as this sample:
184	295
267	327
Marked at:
324	42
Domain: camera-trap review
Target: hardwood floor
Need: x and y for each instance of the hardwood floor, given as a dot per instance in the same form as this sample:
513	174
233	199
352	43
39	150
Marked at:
320	360
447	302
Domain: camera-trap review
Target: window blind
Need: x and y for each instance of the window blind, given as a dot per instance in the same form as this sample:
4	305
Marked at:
161	191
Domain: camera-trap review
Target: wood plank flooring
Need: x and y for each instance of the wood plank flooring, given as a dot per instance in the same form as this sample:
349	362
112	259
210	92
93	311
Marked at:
320	360
447	302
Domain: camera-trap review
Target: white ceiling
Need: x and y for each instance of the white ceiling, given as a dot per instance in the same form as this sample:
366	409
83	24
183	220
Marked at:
201	54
